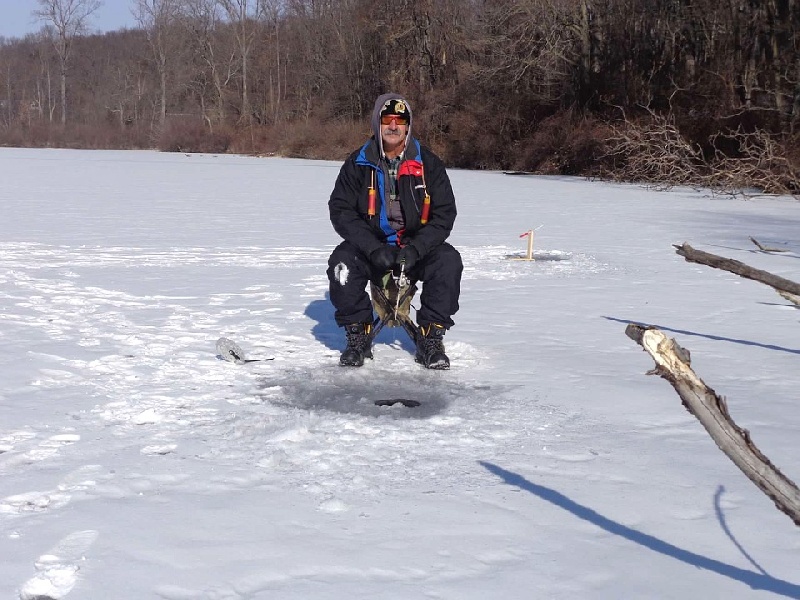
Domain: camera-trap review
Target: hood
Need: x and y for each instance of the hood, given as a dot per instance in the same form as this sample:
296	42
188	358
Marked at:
376	118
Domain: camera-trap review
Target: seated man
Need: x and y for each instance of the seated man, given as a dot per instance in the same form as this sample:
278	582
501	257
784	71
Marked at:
393	205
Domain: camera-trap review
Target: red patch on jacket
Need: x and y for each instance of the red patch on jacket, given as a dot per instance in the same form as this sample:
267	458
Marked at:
410	167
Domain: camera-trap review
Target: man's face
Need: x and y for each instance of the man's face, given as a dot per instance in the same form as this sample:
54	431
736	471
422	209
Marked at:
393	131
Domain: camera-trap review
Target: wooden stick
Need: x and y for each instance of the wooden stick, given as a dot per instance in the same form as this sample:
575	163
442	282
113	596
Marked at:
529	252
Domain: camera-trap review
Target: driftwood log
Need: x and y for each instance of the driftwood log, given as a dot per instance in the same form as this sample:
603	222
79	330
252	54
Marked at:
739	268
673	364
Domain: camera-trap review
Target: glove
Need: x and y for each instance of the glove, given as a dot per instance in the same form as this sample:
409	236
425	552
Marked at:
384	258
408	255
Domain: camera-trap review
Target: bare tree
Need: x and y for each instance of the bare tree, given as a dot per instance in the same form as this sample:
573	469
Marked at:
214	59
243	14
69	19
6	103
271	13
156	18
533	46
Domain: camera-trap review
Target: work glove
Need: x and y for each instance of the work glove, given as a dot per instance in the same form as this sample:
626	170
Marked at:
384	258
409	256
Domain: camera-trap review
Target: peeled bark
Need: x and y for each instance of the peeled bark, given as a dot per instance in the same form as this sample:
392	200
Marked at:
791	298
673	364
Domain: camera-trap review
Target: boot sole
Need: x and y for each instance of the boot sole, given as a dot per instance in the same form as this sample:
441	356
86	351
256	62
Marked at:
436	366
355	363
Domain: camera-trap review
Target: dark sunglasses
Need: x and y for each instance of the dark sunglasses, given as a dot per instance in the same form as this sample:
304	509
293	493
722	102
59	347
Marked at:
387	120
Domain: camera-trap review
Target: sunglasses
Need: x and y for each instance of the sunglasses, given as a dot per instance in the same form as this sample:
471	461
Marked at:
387	120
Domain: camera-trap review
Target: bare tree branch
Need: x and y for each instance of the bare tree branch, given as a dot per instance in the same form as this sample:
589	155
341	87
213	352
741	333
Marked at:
764	248
738	268
673	364
156	18
69	18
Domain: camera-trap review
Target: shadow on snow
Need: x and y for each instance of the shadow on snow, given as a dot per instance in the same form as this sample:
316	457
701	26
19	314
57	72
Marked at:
757	581
329	334
707	336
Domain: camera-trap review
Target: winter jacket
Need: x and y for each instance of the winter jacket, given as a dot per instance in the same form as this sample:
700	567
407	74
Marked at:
349	200
366	166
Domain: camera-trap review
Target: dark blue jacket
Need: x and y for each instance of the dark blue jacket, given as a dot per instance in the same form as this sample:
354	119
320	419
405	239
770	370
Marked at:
348	203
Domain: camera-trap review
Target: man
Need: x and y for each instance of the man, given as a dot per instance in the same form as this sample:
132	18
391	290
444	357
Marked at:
393	205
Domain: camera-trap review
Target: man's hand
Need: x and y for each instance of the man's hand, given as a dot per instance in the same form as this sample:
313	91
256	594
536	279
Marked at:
385	257
409	256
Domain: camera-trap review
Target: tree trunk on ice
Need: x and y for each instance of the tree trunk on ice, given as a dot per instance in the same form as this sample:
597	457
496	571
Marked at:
738	268
672	364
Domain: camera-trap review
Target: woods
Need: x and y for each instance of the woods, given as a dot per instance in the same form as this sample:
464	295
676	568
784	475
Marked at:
665	91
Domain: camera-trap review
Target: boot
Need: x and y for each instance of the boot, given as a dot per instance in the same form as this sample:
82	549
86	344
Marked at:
430	348
359	345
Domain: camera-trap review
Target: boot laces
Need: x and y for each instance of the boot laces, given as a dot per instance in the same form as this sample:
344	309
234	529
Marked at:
432	339
357	335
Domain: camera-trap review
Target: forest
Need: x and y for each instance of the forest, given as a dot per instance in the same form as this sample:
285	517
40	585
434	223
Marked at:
665	92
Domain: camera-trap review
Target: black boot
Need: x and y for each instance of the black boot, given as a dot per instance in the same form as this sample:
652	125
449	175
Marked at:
359	345
430	348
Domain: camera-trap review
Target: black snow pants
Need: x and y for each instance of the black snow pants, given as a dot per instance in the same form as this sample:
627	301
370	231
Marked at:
349	272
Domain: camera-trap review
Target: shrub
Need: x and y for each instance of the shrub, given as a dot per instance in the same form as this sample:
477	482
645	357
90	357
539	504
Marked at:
42	134
191	135
315	139
654	150
566	143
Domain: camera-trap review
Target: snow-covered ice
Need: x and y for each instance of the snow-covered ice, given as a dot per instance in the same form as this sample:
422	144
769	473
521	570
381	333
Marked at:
135	463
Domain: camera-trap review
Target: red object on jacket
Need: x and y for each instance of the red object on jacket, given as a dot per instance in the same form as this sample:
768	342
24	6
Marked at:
410	167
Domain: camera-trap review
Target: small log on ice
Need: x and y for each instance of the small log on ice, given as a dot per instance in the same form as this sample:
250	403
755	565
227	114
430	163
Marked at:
672	364
738	268
764	248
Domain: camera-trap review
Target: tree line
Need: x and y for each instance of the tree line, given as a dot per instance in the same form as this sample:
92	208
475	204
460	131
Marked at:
665	91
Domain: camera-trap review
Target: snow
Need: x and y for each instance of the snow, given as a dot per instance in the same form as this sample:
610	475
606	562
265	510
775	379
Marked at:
135	463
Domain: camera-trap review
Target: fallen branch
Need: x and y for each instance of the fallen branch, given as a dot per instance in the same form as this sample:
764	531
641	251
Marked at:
764	248
738	268
791	298
673	364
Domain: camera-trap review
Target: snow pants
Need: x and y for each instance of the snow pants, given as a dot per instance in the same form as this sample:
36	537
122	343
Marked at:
439	271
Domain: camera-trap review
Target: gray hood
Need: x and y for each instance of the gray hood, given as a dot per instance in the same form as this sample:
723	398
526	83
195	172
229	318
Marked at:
376	119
